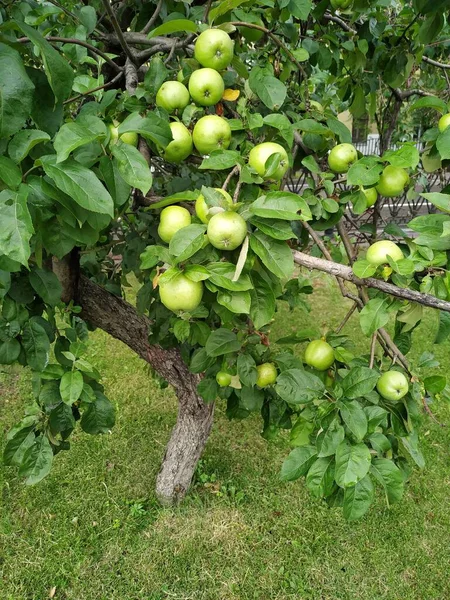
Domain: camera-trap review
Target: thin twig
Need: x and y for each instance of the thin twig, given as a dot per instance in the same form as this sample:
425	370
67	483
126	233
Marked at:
118	30
100	87
341	22
207	9
346	318
153	18
372	350
435	63
230	175
238	186
24	40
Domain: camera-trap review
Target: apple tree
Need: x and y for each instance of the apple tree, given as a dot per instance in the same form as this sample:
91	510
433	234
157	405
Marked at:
152	142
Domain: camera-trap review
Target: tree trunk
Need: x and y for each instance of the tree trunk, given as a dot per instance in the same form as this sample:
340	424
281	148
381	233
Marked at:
121	320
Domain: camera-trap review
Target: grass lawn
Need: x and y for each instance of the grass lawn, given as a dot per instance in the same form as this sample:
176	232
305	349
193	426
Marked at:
93	530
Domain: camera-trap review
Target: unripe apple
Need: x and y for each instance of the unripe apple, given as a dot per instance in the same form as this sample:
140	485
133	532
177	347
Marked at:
319	355
341	157
378	252
371	196
267	375
214	49
226	230
130	137
393	385
202	209
181	293
172	95
223	378
181	146
206	87
444	122
171	220
211	133
262	152
393	181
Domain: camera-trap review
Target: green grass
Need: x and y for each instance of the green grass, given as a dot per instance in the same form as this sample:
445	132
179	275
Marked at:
94	531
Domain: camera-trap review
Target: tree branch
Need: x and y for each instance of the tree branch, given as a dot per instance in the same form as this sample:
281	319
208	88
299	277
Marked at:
153	18
435	63
403	95
91	48
100	87
341	22
118	30
346	273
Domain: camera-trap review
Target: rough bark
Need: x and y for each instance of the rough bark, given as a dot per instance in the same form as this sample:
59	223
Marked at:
195	418
344	272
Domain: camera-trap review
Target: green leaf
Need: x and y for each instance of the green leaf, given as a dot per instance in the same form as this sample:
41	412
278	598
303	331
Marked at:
222	341
223	8
405	157
360	381
429	102
16	92
340	129
311	126
363	268
275	255
88	17
334	435
443	144
440	201
352	464
275	228
132	166
298	463
16	225
116	185
187	241
284	126
200	361
270	90
299	387
71	386
444	327
80	183
37	461
365	171
46	285
300	8
246	369
181	330
71	136
251	399
222	273
262	309
236	302
174	26
99	416
10	172
357	499
61	419
435	383
208	389
21	144
9	352
320	477
59	73
281	205
156	74
152	127
374	315
220	159
18	445
36	345
355	418
390	477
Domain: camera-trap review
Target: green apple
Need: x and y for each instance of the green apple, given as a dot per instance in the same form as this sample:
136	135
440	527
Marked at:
206	87
172	95
371	196
378	252
226	230
223	378
393	181
214	49
181	146
340	4
267	375
211	133
431	161
202	209
181	293
393	385
341	157
319	355
171	220
262	152
131	137
444	122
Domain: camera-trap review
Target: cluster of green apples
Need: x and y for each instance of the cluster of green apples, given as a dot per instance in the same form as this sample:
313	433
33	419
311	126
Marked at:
392	183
